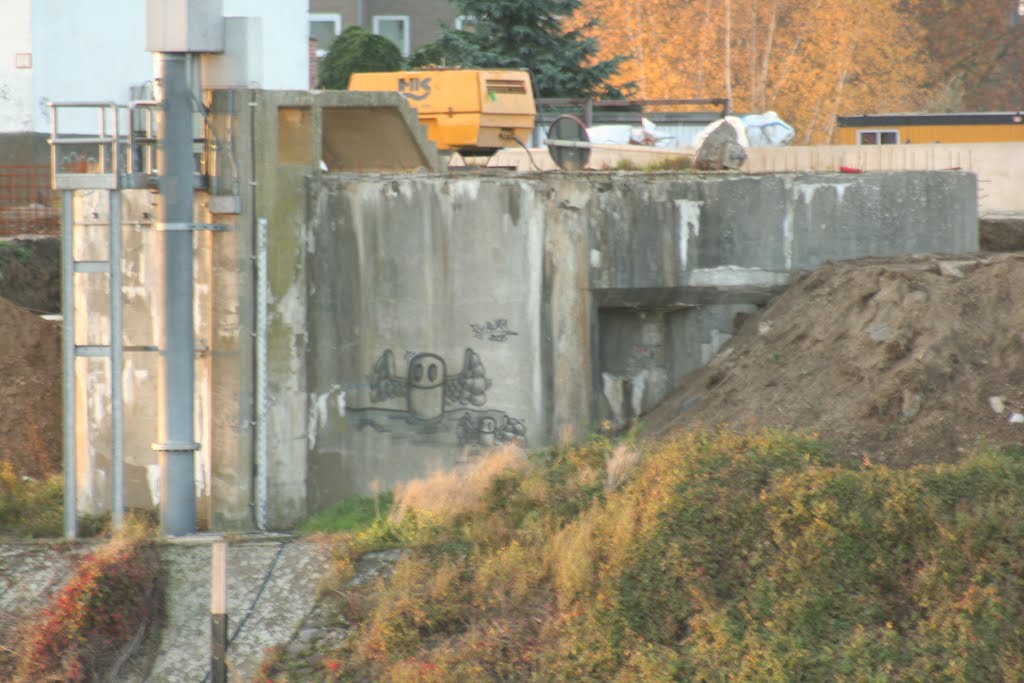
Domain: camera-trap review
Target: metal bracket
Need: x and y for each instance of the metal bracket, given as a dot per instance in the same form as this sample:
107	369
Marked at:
175	446
188	227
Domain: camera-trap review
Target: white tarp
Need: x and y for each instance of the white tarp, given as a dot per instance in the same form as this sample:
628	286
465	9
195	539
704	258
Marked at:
767	130
646	134
735	122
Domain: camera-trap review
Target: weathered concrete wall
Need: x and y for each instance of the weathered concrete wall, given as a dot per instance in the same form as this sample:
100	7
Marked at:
998	165
544	303
273	141
140	267
415	319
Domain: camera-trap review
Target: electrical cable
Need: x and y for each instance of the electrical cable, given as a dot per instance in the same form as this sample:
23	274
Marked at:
528	153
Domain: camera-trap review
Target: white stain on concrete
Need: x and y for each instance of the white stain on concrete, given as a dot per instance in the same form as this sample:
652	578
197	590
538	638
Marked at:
710	349
736	276
613	390
595	258
340	404
153	480
466	189
787	238
808	190
689	222
319	412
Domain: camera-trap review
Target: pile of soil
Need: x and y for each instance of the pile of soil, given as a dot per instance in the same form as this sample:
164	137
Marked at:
30	392
901	361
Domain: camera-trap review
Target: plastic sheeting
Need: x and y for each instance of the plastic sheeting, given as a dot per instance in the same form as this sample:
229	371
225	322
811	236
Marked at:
646	134
735	122
767	130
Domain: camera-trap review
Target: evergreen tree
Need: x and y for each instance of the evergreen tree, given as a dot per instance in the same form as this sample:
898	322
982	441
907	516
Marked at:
527	34
357	51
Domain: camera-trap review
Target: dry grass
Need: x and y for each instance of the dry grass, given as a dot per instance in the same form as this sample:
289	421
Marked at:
445	494
621	463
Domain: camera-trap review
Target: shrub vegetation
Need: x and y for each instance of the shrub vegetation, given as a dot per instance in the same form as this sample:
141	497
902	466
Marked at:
357	50
92	625
718	556
34	508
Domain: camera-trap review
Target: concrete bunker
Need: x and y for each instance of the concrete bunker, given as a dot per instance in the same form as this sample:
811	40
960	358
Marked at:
521	292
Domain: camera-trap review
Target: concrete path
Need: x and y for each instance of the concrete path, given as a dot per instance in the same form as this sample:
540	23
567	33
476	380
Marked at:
272	588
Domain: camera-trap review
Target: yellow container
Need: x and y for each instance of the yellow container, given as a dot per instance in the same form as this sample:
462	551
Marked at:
468	111
900	129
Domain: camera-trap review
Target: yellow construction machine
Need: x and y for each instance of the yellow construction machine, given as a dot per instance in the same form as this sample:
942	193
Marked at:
473	112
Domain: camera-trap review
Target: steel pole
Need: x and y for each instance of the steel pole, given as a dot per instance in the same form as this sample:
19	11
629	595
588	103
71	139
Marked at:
67	310
176	372
116	365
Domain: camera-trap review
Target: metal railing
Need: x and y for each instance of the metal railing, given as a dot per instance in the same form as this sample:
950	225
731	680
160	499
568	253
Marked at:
120	151
28	204
86	161
587	105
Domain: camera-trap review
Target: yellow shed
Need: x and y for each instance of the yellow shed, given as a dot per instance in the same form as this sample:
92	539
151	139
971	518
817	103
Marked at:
470	111
898	129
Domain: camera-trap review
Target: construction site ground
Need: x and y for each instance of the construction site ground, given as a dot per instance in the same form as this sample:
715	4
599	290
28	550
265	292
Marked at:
900	361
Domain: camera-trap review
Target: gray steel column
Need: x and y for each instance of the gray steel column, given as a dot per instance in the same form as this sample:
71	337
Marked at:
67	309
116	365
176	372
261	374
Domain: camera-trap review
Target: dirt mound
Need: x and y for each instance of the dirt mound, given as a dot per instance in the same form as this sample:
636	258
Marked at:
30	391
30	272
904	361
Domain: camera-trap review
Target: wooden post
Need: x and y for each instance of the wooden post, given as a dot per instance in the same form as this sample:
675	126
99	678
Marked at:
219	613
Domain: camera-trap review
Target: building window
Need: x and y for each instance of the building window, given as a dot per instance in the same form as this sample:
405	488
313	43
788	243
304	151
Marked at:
395	28
878	137
468	23
325	28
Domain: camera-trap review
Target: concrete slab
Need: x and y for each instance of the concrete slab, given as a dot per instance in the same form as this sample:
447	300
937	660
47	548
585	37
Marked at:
272	588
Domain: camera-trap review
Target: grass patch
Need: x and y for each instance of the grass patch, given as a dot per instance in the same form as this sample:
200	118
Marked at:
351	514
667	163
34	508
19	252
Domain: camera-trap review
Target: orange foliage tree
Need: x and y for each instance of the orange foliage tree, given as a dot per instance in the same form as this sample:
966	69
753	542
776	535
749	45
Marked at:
977	50
809	60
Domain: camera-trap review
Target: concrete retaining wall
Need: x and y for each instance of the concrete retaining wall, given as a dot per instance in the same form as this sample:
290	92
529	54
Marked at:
448	314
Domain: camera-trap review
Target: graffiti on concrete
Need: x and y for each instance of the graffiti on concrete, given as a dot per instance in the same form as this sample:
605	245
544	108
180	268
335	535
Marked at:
493	330
488	430
435	402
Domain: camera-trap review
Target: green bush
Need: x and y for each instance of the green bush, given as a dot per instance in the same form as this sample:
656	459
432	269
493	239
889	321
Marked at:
357	50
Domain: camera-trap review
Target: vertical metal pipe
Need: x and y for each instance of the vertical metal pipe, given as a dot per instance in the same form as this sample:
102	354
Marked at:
67	309
116	364
219	612
176	371
261	374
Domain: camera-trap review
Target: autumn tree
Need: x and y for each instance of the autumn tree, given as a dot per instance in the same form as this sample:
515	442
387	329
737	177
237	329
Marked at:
530	34
809	60
977	50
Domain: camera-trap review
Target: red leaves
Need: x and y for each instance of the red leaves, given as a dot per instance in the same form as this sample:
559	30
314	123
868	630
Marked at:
98	610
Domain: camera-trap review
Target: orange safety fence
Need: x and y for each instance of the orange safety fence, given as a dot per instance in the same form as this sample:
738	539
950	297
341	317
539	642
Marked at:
28	205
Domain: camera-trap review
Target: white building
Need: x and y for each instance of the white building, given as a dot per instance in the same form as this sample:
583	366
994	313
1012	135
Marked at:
93	50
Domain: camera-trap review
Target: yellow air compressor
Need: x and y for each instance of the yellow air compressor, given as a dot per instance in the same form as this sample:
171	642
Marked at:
472	112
